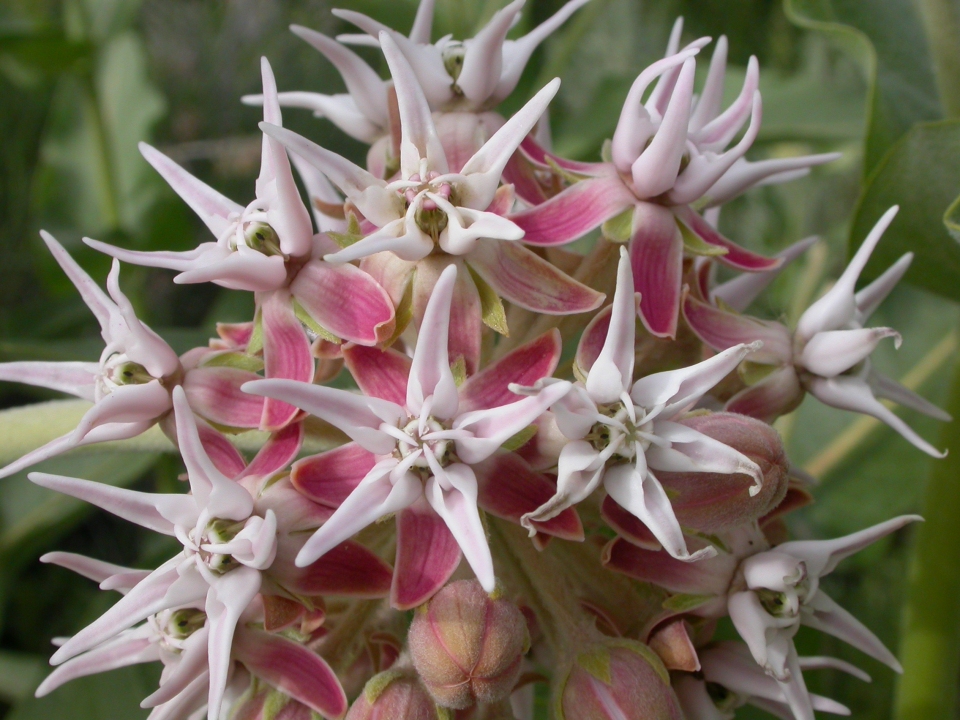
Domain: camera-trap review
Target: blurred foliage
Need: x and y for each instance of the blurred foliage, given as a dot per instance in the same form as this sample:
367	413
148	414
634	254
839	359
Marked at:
84	80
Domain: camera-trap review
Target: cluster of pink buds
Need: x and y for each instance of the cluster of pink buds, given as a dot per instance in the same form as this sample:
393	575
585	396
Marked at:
433	278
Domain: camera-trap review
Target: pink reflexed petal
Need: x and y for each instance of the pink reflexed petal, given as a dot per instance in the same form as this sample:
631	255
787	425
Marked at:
286	355
509	488
212	207
833	352
722	330
229	597
452	493
95	570
161	590
580	208
430	374
363	83
741	291
347	569
278	452
346	301
367	192
852	393
628	526
330	477
427	555
293	669
222	453
828	617
736	256
376	495
493	427
679	390
379	373
73	378
611	373
214	393
527	280
707	577
154	511
838	307
212	490
120	652
419	140
655	170
775	395
483	171
126	404
523	366
644	496
235	334
483	55
358	416
656	254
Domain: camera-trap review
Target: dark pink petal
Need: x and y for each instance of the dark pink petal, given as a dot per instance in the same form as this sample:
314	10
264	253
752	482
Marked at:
224	455
328	478
214	393
533	150
775	395
278	452
390	272
527	280
509	488
235	334
347	569
427	555
580	208
721	330
656	254
293	669
627	525
379	373
520	173
736	256
710	576
466	322
279	613
286	355
593	338
346	301
523	366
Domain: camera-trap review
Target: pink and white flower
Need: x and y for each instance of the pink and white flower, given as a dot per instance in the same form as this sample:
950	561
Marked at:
426	450
828	355
620	431
667	155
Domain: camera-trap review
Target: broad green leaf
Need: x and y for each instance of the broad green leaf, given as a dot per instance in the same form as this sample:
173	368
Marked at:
109	696
921	173
43	52
887	38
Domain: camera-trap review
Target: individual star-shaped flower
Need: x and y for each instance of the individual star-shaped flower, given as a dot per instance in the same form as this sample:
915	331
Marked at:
828	355
430	217
235	547
131	384
620	431
667	154
776	591
426	450
269	248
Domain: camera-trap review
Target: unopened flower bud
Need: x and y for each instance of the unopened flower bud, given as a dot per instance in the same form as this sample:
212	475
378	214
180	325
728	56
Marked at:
396	694
468	646
619	680
712	502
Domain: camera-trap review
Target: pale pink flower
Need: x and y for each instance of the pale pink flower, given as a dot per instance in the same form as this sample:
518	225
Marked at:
426	450
620	431
828	355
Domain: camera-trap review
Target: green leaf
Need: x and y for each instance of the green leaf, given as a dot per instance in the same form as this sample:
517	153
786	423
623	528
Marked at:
942	21
20	674
111	695
921	173
887	38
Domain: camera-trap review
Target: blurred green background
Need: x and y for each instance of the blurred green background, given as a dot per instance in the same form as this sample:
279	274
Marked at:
82	81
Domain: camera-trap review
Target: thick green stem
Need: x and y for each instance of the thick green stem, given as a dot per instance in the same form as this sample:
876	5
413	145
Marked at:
930	648
941	18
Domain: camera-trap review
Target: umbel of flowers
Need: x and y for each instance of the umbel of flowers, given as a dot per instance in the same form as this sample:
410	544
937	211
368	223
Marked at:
433	281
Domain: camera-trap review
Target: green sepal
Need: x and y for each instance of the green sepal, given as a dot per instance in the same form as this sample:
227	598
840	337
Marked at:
606	151
597	663
459	370
404	311
351	236
255	344
682	602
238	360
619	229
695	245
491	306
378	683
305	317
753	372
515	442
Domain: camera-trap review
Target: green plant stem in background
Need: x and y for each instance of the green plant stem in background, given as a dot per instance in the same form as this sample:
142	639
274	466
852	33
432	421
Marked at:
930	646
941	19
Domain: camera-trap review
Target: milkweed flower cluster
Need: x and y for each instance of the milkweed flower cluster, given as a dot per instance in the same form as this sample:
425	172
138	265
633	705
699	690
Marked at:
536	505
